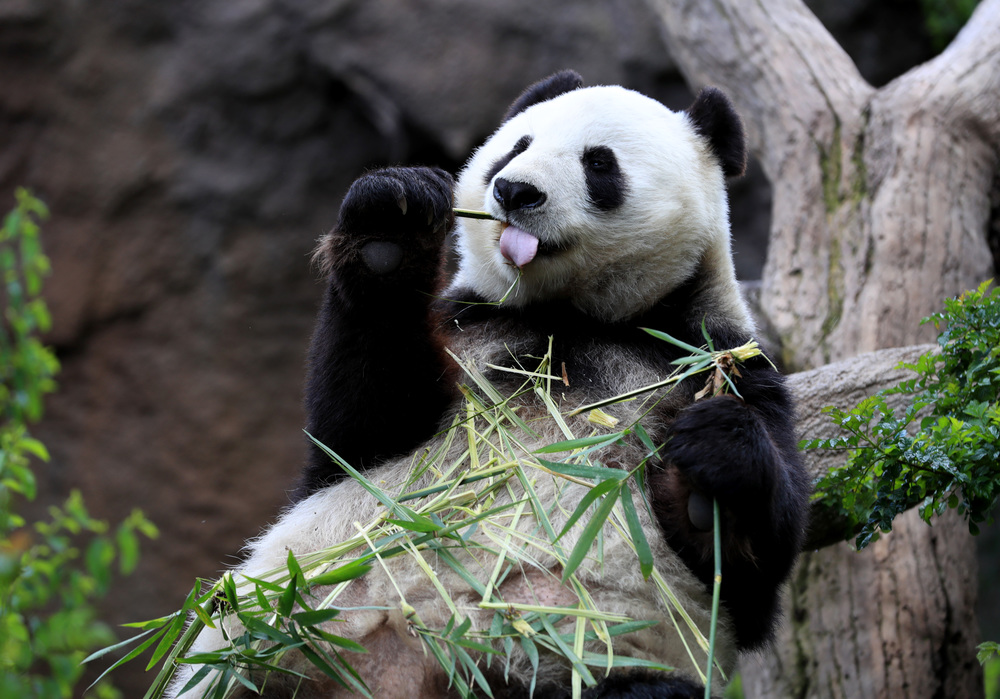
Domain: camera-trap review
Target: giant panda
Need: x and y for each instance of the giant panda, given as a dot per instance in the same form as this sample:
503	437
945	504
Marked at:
610	215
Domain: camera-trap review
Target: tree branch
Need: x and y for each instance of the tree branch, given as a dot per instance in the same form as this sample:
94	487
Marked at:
965	78
785	73
843	385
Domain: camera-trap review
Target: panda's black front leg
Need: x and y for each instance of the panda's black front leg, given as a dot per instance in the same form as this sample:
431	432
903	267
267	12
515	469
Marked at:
741	453
377	382
646	685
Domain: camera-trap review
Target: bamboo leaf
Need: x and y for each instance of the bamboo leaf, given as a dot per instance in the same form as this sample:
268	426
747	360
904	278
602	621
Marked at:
531	650
473	667
642	549
198	676
567	652
243	680
229	588
422	526
590	532
312	617
204	617
348	571
287	599
146	625
264	584
121	644
581	443
585	502
600	473
170	635
294	570
260	630
321	663
708	339
339	641
136	652
678	343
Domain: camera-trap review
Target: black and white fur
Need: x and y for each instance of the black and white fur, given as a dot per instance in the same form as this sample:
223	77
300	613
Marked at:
627	202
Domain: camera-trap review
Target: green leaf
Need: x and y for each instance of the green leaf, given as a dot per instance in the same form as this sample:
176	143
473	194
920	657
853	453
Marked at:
287	599
348	571
704	334
424	525
313	617
593	528
581	443
339	641
599	473
34	447
643	551
293	567
136	652
674	341
170	635
586	501
260	630
128	550
229	590
325	667
531	650
987	651
567	652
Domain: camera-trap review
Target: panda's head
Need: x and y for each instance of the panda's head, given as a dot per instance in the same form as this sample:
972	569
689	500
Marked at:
603	196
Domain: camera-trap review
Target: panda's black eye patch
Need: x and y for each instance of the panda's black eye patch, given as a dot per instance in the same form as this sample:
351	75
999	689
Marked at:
521	145
606	183
599	159
501	162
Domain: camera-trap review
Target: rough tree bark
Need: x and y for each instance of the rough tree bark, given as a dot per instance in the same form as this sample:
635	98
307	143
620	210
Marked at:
881	209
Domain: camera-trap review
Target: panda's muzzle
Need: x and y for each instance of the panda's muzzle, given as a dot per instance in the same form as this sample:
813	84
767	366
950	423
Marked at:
517	196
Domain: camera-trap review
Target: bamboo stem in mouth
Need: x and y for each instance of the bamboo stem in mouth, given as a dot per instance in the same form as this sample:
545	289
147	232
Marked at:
471	213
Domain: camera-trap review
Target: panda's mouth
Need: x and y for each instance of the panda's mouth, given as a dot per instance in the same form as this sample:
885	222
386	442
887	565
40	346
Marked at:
519	247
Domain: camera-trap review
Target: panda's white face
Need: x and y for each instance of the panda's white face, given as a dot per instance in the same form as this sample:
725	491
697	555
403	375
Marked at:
604	197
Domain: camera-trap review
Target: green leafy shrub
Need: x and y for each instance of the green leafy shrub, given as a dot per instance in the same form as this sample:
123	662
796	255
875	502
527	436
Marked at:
951	461
51	572
953	458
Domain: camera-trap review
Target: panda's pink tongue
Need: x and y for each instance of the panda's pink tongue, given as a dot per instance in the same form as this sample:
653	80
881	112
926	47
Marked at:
518	246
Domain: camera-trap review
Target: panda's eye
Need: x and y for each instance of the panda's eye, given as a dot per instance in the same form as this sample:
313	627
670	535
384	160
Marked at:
599	159
521	145
607	185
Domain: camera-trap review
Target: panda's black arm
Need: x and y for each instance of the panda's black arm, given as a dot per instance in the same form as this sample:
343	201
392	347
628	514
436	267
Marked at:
742	453
378	383
635	684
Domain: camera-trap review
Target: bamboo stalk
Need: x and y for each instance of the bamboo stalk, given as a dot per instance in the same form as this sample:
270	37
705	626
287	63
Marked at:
471	213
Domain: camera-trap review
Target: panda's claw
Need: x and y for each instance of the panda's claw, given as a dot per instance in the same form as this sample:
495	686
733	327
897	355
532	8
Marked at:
379	205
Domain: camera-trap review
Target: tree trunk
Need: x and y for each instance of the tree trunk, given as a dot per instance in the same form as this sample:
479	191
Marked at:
881	210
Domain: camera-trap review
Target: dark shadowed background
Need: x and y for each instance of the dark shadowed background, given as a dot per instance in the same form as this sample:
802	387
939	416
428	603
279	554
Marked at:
192	153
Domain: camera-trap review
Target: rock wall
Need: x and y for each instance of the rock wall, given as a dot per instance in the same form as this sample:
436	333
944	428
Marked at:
191	154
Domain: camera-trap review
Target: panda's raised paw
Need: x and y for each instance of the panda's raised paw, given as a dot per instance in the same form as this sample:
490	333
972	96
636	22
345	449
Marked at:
406	206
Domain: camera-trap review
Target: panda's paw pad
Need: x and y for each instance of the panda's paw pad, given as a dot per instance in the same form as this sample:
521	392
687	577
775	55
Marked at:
381	256
713	444
405	205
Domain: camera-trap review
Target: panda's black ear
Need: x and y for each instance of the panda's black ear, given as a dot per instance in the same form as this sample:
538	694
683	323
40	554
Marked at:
546	89
714	117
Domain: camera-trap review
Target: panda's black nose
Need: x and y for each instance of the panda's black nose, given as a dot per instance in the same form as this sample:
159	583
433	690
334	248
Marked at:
514	196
